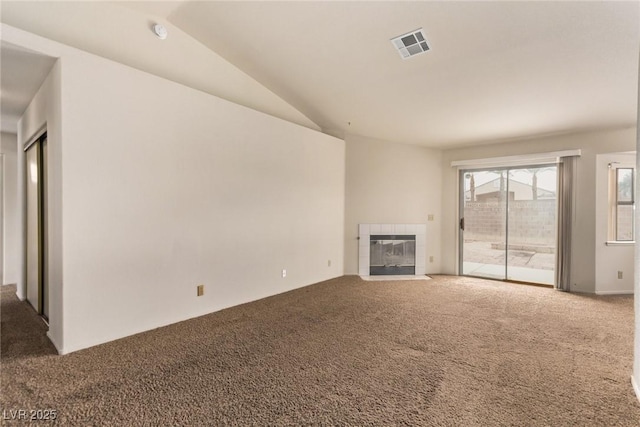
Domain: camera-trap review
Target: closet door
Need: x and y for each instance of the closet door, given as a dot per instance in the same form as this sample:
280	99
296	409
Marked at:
44	283
36	214
33	208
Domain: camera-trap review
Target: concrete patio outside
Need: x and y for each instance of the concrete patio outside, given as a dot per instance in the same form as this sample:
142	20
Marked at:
534	265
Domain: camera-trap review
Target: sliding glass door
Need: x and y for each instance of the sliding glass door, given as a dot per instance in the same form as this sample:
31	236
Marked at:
508	223
484	223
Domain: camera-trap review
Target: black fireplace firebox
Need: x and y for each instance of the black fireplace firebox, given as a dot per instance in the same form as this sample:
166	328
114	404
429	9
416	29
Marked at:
392	255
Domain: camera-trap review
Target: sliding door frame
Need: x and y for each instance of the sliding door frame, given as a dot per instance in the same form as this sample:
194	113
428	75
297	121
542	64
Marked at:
461	213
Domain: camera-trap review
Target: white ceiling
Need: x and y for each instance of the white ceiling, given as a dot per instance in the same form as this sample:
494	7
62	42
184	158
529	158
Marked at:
22	75
495	71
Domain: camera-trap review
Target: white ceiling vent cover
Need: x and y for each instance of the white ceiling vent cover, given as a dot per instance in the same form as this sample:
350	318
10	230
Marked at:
410	44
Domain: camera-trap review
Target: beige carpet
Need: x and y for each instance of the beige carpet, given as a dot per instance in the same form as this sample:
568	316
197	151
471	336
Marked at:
444	352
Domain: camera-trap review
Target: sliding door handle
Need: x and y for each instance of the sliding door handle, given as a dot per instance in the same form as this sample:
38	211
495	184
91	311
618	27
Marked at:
462	224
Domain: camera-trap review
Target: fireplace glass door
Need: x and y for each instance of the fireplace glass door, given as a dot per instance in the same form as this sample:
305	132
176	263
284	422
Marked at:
392	255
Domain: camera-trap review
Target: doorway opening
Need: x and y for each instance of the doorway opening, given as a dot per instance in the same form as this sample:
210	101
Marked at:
508	223
36	225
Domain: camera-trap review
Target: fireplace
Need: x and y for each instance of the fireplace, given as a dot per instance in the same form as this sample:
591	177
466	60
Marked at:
392	254
392	249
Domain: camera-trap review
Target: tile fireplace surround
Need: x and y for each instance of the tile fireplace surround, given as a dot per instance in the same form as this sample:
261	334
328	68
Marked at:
366	230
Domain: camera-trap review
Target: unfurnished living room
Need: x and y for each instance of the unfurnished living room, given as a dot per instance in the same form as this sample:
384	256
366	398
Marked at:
319	213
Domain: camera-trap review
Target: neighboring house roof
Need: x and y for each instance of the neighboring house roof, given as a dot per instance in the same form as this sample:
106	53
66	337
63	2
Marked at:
520	190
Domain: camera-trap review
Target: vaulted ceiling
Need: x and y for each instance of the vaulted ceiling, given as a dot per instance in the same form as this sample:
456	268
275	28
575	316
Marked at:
495	70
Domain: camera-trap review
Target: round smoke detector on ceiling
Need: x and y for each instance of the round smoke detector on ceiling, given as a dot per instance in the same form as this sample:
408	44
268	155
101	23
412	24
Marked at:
160	31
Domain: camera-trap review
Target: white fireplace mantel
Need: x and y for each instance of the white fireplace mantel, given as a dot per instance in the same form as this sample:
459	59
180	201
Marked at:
366	230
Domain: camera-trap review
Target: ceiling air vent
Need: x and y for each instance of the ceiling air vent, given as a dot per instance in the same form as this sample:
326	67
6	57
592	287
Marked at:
410	44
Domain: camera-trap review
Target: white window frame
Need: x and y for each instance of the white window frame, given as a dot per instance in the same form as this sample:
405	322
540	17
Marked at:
612	235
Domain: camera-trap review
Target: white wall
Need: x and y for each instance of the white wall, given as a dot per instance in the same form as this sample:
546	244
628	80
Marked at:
10	222
118	32
164	187
584	234
44	113
392	183
610	259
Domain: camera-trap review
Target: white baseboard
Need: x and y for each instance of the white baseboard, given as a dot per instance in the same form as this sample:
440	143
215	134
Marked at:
58	348
579	291
621	292
634	384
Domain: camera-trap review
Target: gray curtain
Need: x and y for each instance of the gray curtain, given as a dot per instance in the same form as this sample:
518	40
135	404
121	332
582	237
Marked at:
566	176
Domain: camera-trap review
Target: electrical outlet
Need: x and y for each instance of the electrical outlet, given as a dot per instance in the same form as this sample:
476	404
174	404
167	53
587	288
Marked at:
431	258
284	273
619	274
430	217
200	290
329	263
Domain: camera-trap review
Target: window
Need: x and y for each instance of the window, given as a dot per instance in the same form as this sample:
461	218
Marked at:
622	204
